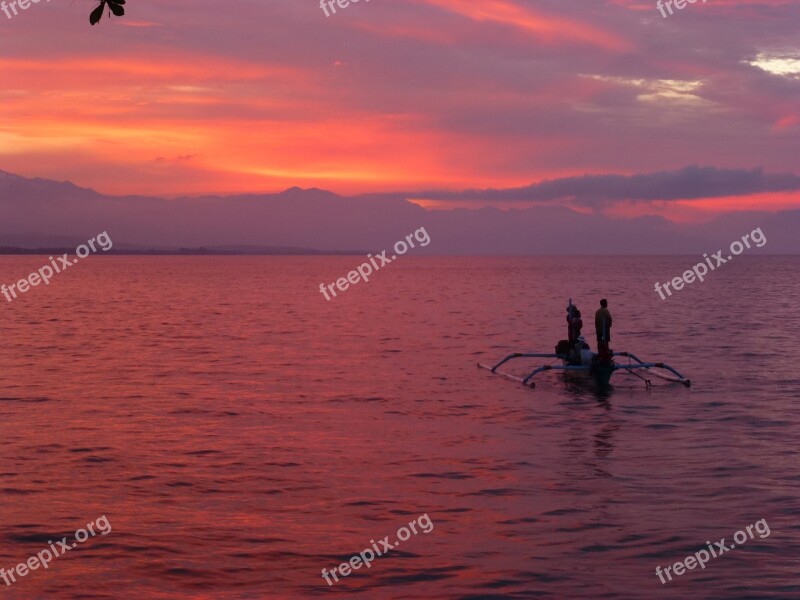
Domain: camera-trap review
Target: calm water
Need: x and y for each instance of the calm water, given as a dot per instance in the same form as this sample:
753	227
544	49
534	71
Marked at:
241	433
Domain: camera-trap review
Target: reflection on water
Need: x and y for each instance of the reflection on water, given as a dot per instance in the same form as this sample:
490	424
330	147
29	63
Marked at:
242	434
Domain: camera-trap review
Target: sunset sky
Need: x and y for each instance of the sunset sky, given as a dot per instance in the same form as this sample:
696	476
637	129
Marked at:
415	96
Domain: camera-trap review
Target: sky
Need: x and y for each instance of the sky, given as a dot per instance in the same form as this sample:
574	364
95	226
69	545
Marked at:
453	103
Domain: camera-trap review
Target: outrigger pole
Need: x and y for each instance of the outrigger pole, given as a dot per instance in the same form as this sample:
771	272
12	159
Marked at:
657	365
615	367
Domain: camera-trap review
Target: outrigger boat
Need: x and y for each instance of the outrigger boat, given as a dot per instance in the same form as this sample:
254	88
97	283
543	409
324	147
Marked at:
585	363
601	373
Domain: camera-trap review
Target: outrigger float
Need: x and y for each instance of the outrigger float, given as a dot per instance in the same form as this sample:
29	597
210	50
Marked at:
601	373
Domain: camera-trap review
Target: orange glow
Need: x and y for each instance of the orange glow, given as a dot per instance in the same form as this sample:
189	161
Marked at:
548	29
156	111
171	128
702	210
787	122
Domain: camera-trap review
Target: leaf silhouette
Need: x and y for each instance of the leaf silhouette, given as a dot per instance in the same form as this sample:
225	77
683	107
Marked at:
114	6
97	13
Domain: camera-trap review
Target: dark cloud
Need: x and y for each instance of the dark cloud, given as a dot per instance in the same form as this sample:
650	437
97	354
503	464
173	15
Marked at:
691	182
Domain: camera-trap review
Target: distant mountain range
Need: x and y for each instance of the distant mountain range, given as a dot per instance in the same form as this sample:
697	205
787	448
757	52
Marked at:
40	213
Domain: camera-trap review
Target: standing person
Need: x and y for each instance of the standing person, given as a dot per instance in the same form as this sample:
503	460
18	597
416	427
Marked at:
570	317
602	325
574	325
577	324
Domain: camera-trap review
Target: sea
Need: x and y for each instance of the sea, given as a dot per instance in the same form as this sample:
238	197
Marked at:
240	434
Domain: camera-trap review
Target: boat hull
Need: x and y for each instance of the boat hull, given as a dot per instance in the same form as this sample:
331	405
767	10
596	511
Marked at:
600	374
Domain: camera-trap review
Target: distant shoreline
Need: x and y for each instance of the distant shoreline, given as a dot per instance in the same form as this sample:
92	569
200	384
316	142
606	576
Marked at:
55	251
201	251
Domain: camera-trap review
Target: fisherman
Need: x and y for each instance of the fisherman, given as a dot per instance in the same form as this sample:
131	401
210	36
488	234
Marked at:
574	324
602	326
577	324
570	316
